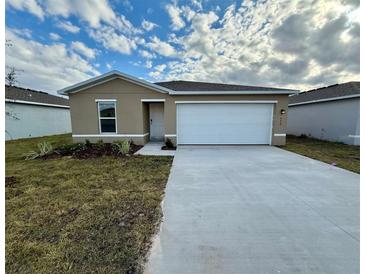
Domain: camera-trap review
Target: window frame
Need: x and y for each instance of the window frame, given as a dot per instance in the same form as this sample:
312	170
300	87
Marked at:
107	118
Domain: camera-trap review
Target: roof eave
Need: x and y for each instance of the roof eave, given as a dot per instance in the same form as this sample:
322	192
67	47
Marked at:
233	92
324	100
107	77
15	101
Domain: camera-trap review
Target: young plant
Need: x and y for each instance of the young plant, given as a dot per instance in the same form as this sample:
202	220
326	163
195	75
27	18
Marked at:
87	143
169	143
123	146
70	149
44	148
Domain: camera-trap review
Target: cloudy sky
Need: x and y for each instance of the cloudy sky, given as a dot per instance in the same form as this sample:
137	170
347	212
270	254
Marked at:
295	44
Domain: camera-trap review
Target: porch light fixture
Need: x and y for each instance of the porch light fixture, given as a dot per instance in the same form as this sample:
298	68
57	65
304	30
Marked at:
282	111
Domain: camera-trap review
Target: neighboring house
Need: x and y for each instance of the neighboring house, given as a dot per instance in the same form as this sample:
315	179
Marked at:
30	113
115	105
330	113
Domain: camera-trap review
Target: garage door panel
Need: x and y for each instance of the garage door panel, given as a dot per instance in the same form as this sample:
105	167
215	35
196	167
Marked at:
224	123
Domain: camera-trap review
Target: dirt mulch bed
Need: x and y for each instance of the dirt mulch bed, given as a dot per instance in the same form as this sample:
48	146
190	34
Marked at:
91	150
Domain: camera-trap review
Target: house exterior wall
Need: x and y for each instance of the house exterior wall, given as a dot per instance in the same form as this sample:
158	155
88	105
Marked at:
26	121
132	113
337	121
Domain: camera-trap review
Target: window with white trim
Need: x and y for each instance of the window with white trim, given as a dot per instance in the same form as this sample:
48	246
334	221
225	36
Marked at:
107	116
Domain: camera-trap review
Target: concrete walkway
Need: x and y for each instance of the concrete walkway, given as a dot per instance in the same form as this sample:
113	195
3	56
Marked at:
256	209
154	149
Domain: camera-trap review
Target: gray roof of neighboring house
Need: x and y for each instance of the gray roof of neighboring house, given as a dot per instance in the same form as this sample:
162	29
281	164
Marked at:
204	86
33	96
327	93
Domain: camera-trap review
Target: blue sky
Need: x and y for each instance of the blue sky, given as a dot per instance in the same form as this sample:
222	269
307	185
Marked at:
296	44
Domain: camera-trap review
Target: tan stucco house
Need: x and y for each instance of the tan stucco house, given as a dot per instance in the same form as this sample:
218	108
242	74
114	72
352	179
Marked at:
116	106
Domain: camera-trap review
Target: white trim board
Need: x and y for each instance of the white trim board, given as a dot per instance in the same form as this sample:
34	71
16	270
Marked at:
229	102
170	135
325	100
34	103
110	135
272	123
279	134
105	100
152	100
354	136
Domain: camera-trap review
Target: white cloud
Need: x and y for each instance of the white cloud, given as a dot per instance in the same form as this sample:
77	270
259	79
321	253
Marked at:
46	67
68	26
157	74
297	44
27	5
112	40
187	12
147	25
161	47
176	21
160	68
124	25
146	54
91	11
98	14
148	64
127	5
197	4
82	49
109	66
26	33
54	36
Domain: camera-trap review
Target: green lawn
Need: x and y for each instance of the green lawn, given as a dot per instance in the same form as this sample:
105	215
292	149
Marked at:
80	216
344	156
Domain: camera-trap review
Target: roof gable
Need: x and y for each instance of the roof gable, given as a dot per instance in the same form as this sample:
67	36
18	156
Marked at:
108	77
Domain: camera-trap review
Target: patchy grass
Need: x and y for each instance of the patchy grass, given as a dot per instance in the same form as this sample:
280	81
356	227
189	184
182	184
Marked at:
344	156
80	216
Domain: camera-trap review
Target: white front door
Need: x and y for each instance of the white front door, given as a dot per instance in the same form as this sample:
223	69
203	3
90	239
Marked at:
157	129
224	123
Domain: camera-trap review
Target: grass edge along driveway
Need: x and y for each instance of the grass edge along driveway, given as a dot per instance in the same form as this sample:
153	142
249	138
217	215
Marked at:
339	154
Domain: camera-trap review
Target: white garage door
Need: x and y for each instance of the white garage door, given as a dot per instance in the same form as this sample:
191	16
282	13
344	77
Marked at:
224	123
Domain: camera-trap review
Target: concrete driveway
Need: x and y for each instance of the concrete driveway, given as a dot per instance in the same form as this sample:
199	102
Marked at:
256	209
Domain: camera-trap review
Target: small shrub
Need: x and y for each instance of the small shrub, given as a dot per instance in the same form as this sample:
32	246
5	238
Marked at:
123	146
87	143
302	136
44	148
99	144
169	143
70	149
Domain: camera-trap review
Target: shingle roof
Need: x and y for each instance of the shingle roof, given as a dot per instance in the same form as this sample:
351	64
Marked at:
203	86
334	91
29	95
